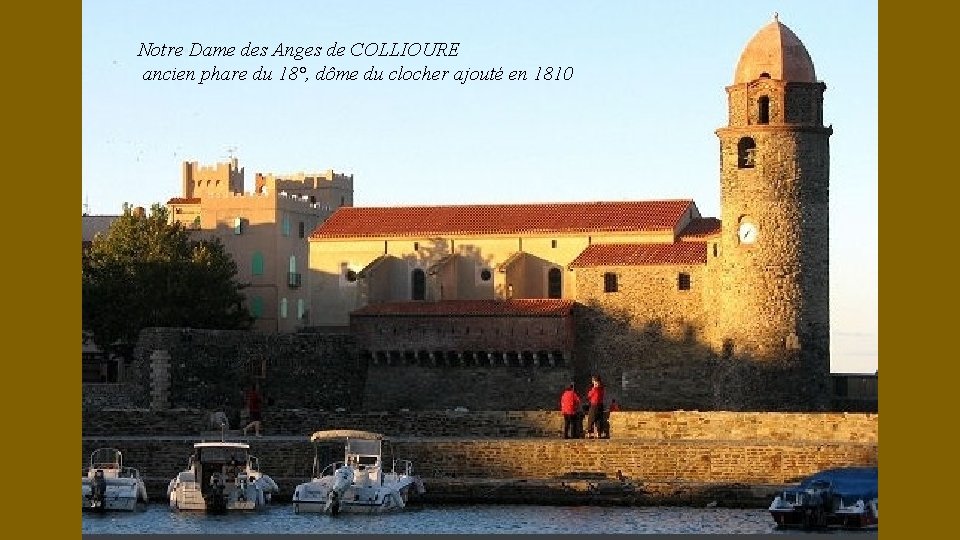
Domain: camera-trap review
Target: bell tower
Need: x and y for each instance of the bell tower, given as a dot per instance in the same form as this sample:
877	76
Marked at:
774	327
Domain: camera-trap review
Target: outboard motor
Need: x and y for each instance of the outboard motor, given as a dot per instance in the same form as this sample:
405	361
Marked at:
343	477
216	498
98	491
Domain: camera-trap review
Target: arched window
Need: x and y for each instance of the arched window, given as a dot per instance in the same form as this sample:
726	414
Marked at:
763	115
257	264
746	149
554	283
418	284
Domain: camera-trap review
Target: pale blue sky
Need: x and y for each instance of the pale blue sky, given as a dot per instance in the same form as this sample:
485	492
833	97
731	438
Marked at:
636	120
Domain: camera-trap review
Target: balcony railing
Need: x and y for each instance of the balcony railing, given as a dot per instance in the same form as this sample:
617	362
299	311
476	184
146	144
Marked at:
294	279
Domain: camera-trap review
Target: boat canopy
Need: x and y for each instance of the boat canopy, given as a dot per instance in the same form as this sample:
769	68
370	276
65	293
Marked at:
334	434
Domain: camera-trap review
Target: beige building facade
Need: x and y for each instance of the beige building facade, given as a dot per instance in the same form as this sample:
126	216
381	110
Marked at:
264	230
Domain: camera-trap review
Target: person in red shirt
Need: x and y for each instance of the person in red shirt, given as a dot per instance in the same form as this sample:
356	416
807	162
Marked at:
569	405
254	404
595	414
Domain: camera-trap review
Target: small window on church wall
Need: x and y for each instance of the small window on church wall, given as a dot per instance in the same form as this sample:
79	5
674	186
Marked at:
746	150
716	250
418	284
553	243
763	114
683	281
554	283
610	282
416	246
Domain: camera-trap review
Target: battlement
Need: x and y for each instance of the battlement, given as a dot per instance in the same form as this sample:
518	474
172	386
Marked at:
204	180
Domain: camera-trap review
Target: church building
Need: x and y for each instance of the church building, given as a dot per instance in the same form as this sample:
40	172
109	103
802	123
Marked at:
675	310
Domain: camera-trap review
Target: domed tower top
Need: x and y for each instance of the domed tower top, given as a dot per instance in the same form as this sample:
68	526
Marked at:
777	53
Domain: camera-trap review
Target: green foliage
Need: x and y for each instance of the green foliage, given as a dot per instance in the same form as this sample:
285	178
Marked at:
147	272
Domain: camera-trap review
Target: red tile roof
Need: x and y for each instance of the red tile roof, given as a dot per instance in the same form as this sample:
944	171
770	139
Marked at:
701	228
526	307
503	219
641	254
179	200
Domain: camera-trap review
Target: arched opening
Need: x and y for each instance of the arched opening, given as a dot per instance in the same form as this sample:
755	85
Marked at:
418	284
763	114
746	150
554	283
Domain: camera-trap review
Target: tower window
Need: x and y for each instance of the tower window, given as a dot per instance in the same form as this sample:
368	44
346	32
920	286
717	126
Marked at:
416	246
554	283
418	284
610	282
553	243
763	114
683	281
746	151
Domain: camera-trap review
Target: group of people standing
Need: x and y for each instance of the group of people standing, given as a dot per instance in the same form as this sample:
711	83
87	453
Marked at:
598	418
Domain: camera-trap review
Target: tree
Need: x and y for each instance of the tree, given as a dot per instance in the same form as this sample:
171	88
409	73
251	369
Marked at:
148	272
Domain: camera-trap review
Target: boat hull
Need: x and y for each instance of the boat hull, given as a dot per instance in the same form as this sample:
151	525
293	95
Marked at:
315	497
119	495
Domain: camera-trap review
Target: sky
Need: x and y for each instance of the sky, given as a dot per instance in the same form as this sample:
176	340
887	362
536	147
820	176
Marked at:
632	118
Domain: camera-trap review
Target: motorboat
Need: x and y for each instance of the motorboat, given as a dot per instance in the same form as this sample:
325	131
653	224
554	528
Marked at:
109	485
221	476
843	497
362	482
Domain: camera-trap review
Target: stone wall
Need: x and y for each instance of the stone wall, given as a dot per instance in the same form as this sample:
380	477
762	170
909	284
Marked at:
453	469
109	395
210	368
649	340
635	425
496	387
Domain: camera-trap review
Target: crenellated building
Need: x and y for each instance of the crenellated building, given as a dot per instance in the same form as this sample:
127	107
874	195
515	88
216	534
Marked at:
265	231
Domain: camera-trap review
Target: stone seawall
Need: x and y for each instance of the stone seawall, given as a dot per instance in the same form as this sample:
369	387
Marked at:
735	473
677	425
737	459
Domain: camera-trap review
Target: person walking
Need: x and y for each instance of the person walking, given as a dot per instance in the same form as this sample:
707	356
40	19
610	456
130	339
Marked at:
595	414
254	407
569	404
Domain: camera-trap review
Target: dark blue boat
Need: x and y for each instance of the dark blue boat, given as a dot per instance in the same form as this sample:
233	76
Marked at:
844	497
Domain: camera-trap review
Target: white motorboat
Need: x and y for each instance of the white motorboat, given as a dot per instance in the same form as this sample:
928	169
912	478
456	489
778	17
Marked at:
221	476
109	485
361	483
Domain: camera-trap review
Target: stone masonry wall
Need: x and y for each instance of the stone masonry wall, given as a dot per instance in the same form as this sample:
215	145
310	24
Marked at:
648	341
210	368
640	425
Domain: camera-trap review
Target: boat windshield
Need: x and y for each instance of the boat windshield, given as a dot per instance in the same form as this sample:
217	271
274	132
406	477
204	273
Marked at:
235	456
365	447
105	458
